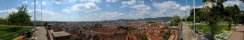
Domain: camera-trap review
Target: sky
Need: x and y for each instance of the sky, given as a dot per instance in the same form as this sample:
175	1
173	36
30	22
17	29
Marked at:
99	10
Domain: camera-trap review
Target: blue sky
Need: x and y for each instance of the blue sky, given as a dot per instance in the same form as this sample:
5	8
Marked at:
98	10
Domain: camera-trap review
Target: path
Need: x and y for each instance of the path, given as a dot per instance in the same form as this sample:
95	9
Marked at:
41	34
238	34
187	33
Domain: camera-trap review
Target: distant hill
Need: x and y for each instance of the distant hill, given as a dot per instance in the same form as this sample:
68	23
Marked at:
162	19
145	19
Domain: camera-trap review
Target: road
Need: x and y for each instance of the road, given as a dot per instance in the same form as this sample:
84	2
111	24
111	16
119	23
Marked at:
238	34
41	34
187	33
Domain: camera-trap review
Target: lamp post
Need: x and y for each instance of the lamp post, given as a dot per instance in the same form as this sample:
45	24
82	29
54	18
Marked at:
186	12
34	21
41	11
194	22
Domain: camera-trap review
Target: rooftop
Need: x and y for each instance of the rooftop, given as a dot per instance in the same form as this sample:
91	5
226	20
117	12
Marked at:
60	34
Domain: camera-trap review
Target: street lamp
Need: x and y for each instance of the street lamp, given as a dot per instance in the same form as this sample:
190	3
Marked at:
194	13
34	21
186	12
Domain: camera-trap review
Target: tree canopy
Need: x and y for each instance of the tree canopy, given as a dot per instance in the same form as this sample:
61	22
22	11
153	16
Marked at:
242	0
218	13
20	17
201	15
176	19
3	21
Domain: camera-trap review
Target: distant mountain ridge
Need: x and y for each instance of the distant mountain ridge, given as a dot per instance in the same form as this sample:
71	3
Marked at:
144	19
161	19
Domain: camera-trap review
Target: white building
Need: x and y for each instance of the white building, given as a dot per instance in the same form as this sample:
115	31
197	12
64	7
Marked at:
208	4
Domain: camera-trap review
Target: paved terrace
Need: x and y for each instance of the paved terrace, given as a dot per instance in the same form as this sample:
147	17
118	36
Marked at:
41	34
187	32
238	34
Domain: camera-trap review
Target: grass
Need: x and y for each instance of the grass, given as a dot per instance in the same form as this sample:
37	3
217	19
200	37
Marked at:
9	32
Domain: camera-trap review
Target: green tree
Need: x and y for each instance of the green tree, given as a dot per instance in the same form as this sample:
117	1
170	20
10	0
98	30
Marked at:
3	21
20	17
242	16
236	15
176	20
214	18
232	14
242	0
217	14
201	15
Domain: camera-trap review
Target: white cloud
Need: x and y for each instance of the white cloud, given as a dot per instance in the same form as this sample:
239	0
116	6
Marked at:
171	8
142	7
234	2
134	15
108	16
231	3
39	3
44	3
6	12
199	6
25	2
64	1
184	8
47	15
167	5
72	0
86	7
117	15
113	1
138	5
57	1
166	9
128	3
34	3
90	0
